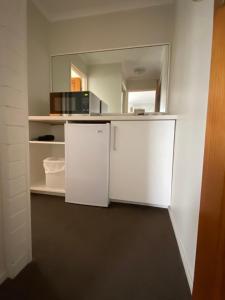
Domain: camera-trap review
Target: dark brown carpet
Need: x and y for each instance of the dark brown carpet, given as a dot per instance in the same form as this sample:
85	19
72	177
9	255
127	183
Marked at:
125	252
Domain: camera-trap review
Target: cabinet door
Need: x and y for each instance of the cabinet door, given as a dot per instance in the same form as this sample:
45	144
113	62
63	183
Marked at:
141	160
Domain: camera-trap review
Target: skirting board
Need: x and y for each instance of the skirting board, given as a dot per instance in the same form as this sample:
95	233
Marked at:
182	252
3	277
16	269
19	266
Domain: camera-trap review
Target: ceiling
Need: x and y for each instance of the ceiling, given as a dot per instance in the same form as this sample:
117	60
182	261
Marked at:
148	59
55	10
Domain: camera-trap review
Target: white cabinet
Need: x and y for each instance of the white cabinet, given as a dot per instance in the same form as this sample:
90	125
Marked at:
87	163
141	159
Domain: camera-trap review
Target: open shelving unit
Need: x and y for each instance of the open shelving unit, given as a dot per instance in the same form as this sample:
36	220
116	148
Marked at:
39	150
41	188
47	143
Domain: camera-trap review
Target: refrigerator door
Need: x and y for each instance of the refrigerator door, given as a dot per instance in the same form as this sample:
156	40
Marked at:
87	163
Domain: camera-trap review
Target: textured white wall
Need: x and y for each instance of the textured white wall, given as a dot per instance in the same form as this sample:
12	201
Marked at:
188	98
105	81
121	29
38	62
14	197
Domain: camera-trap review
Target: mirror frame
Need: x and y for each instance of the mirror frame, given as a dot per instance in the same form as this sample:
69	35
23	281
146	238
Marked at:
121	48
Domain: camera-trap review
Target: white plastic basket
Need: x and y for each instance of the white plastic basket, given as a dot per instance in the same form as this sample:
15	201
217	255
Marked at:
55	172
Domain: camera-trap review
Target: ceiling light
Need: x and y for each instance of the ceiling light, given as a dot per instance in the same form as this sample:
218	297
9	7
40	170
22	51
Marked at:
139	71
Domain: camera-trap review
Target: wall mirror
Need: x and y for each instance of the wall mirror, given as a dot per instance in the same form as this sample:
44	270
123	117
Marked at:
126	79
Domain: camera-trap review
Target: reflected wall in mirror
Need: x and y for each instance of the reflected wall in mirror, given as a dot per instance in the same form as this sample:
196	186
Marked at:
125	79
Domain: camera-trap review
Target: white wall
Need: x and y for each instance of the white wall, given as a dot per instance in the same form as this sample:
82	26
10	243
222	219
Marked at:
105	81
14	196
148	26
122	29
188	98
61	71
38	62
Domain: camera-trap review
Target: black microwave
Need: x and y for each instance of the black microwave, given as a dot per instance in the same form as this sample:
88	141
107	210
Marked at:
72	103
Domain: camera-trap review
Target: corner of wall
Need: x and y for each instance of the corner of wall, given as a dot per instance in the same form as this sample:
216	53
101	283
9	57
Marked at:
182	250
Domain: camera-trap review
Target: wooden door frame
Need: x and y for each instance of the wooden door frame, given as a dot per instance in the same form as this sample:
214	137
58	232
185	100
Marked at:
209	279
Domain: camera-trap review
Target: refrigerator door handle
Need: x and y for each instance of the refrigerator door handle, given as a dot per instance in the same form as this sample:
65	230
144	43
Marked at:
114	138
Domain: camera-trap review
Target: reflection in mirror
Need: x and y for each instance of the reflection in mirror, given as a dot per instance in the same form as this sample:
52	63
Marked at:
127	79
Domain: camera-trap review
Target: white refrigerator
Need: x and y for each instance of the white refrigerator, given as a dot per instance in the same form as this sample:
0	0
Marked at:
87	163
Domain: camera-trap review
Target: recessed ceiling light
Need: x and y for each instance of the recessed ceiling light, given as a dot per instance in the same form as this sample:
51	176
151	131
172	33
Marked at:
139	71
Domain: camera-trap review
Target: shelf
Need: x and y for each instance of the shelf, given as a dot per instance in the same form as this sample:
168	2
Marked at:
41	188
109	117
55	120
47	143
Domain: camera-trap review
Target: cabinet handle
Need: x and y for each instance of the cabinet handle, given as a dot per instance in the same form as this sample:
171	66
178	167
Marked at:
114	137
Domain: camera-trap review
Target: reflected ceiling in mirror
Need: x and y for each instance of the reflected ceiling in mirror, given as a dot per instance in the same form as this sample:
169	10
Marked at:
125	79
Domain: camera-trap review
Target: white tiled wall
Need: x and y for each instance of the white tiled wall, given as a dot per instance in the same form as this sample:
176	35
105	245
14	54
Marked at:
15	242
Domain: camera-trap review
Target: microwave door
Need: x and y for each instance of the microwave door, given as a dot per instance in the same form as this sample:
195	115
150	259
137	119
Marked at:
56	106
73	105
66	103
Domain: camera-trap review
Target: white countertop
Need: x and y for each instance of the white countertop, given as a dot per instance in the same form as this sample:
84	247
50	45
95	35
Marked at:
116	117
